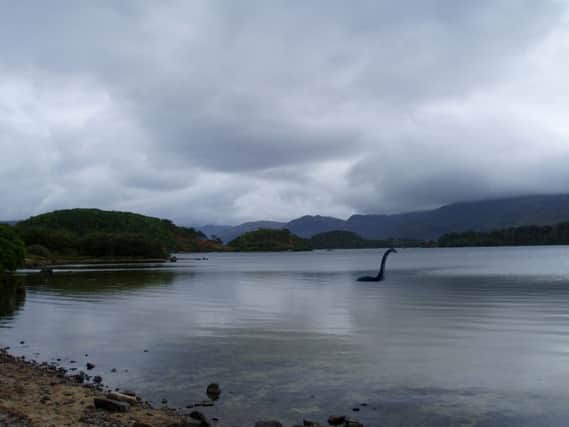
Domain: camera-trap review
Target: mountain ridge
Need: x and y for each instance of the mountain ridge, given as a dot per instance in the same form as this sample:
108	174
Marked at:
481	215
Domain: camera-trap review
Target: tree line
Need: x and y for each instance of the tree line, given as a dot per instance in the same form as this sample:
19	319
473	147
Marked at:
557	234
284	240
97	233
275	240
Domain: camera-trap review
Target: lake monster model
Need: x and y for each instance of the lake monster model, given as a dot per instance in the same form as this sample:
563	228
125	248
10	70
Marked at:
380	275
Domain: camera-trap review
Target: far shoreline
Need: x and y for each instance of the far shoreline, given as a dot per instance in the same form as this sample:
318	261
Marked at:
35	263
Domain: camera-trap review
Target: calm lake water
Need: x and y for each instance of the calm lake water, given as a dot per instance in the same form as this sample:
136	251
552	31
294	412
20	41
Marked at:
473	337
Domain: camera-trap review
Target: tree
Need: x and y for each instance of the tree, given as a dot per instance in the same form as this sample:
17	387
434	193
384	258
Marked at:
12	252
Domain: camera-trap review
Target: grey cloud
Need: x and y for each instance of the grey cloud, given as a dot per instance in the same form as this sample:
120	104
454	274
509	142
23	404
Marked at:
249	142
221	111
483	157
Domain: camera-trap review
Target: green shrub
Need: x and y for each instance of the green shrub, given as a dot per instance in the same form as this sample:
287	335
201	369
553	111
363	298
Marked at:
12	251
38	250
121	245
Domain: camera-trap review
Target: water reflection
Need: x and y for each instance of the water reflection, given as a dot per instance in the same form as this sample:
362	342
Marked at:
108	281
12	298
446	340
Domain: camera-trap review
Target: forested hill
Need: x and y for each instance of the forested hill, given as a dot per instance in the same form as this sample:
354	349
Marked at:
94	232
269	240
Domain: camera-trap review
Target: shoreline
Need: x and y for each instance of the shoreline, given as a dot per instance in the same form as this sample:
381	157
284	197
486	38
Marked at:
43	394
36	263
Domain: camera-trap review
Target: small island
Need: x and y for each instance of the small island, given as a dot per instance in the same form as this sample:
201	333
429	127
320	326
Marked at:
269	240
89	235
341	239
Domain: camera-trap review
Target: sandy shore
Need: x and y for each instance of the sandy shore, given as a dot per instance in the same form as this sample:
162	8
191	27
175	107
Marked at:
34	394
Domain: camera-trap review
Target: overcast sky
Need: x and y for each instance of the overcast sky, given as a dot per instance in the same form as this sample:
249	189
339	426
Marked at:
226	111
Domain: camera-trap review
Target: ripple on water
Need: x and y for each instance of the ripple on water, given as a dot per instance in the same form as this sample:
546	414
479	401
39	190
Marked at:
452	336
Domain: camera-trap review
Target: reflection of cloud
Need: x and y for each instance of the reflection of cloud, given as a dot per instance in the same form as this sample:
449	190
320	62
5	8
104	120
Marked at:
294	323
295	304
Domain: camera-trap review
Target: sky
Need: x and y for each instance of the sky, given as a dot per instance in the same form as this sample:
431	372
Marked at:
226	111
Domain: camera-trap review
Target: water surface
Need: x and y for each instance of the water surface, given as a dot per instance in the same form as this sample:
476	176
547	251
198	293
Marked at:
452	337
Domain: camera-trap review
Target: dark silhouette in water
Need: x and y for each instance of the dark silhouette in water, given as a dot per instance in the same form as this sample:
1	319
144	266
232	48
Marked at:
12	295
380	275
46	270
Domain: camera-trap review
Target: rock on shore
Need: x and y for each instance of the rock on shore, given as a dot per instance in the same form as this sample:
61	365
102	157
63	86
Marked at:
40	394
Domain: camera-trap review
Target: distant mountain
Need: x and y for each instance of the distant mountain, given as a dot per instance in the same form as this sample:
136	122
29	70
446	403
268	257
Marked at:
308	226
457	217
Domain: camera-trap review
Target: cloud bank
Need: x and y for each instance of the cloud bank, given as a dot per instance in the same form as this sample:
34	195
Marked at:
220	112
